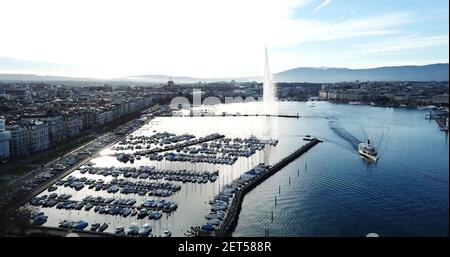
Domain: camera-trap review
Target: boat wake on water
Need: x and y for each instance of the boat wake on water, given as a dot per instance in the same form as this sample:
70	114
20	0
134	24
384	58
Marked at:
344	134
365	149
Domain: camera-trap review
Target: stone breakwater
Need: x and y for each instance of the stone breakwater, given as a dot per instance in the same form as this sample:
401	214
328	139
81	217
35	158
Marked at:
229	224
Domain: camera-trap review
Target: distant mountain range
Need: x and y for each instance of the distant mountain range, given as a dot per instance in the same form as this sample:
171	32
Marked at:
185	79
32	77
431	72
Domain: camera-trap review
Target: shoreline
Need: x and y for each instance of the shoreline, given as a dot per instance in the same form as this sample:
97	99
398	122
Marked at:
12	206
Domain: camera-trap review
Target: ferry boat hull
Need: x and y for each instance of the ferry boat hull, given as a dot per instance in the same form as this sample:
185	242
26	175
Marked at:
367	151
371	157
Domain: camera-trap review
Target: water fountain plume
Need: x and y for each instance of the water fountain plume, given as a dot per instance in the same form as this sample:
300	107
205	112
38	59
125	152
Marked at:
269	88
270	104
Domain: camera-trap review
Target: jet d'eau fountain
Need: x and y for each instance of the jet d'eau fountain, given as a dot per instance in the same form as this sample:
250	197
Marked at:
270	104
269	88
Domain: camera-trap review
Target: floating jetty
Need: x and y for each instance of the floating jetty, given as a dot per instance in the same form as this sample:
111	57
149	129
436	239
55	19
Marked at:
228	225
214	148
175	147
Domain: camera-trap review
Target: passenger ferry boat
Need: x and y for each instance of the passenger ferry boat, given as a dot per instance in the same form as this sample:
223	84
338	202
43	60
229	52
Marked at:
366	150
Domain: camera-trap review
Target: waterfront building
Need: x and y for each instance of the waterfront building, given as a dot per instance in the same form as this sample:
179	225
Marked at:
441	99
401	98
100	118
5	136
332	95
423	100
18	141
38	136
130	107
109	116
88	118
103	117
117	111
55	128
323	94
72	126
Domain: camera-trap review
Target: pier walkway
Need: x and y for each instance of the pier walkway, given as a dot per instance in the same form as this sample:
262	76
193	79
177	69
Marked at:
229	224
239	115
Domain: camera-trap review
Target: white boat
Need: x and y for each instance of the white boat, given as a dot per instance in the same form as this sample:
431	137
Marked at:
120	231
366	150
167	233
308	138
133	229
145	230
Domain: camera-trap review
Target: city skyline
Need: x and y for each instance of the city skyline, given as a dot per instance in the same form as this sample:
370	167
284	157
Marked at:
173	37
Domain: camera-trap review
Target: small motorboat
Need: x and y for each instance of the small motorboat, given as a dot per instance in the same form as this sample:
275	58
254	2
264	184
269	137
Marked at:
103	227
308	138
94	227
120	231
145	230
133	229
167	233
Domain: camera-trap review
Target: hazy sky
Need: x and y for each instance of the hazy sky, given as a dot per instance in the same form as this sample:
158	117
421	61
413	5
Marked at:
217	38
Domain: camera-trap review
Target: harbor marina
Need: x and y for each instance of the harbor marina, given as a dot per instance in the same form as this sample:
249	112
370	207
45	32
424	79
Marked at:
169	194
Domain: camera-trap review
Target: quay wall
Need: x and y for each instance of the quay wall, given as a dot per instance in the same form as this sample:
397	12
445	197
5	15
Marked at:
240	115
230	222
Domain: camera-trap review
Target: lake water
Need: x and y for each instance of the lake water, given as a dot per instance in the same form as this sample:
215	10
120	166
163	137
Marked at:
338	194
